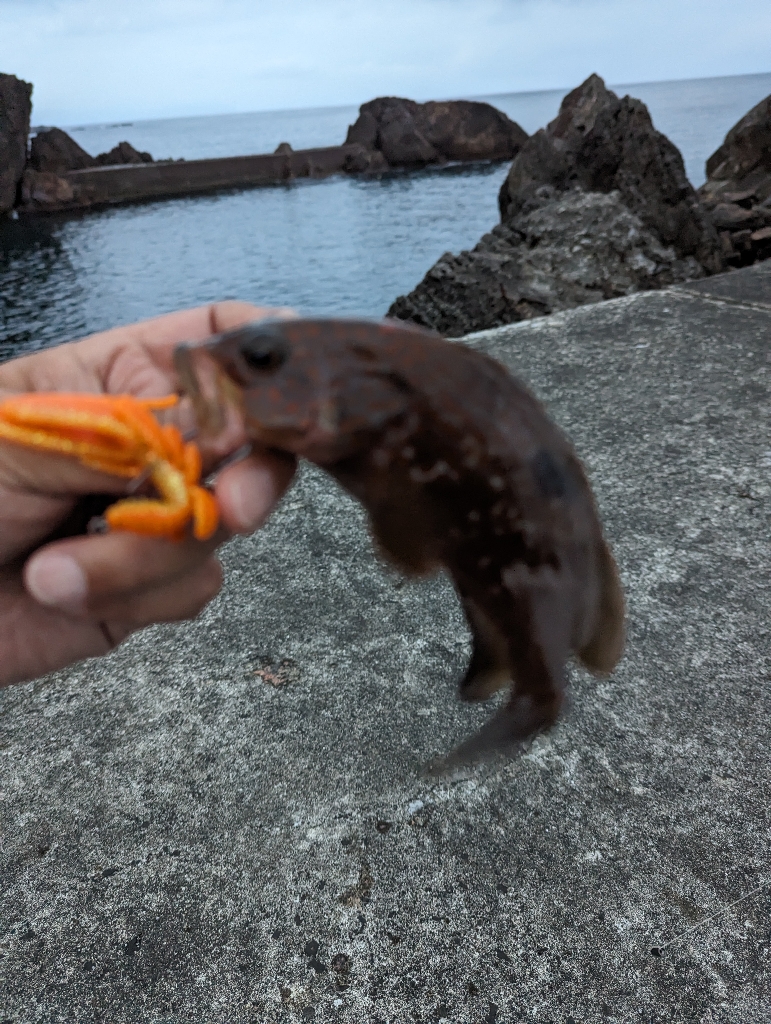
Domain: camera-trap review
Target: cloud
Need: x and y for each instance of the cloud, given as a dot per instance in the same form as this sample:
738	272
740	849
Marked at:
92	61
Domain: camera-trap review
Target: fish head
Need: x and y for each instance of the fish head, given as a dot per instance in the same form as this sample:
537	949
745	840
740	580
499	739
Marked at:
321	389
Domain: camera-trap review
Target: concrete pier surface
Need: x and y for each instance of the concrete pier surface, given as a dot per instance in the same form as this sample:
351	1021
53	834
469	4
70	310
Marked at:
228	821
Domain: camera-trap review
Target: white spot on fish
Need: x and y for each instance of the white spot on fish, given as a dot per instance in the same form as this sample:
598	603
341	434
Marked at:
426	476
328	416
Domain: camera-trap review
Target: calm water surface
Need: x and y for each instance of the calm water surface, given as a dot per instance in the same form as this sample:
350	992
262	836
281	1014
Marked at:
336	246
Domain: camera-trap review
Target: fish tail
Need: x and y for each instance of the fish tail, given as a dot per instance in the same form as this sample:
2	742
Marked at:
606	644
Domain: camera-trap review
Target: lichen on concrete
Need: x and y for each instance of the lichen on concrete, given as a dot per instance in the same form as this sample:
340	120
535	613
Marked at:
229	820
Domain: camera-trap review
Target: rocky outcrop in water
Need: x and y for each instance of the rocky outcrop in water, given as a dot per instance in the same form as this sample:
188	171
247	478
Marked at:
564	249
595	206
45	190
410	134
601	143
15	110
123	153
737	192
54	151
53	155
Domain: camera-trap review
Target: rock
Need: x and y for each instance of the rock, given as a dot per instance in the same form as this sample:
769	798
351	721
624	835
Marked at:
596	205
746	149
601	143
15	111
411	134
42	190
389	124
467	130
563	249
360	160
739	175
123	153
55	151
732	217
760	242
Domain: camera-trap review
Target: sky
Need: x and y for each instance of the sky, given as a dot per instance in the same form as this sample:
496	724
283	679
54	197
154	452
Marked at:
101	60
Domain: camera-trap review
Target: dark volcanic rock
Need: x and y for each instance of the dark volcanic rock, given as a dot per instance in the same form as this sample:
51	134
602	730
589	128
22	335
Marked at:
563	250
57	152
595	206
601	143
15	110
746	149
123	153
738	188
53	151
410	134
45	190
466	130
360	160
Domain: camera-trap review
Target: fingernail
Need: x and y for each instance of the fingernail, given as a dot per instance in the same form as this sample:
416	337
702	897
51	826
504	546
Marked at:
56	580
251	498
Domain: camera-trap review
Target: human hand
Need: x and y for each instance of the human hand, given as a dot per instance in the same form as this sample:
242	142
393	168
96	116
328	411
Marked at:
81	596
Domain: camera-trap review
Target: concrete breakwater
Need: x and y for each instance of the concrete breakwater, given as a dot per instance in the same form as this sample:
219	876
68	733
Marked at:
44	191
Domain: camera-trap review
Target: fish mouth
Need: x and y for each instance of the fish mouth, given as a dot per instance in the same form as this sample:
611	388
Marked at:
221	405
210	390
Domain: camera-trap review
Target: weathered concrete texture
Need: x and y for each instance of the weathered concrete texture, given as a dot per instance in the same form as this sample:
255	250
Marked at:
749	286
227	821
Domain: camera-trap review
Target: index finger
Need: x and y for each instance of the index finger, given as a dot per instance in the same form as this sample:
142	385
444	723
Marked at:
136	359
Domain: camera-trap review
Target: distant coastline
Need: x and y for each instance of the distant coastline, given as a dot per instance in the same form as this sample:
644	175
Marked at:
684	109
57	174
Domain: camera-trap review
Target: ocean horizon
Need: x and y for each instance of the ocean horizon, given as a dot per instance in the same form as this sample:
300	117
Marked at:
689	111
343	245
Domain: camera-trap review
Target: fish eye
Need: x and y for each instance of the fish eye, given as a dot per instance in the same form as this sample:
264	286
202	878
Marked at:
265	355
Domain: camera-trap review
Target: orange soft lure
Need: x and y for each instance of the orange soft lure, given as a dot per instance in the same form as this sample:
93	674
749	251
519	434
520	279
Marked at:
118	434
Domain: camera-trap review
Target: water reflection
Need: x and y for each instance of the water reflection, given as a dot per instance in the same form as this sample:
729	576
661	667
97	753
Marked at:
39	287
347	246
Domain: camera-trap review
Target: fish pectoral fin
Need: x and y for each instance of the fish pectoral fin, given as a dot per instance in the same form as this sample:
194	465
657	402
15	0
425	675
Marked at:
489	669
525	636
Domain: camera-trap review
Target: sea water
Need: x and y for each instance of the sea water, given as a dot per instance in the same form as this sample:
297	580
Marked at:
341	245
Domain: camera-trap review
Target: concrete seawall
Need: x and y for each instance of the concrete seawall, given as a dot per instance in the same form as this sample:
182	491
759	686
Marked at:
227	820
103	186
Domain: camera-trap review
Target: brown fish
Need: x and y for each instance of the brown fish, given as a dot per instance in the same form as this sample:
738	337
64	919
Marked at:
458	466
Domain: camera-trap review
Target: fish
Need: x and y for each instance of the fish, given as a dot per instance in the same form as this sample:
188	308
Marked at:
460	468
